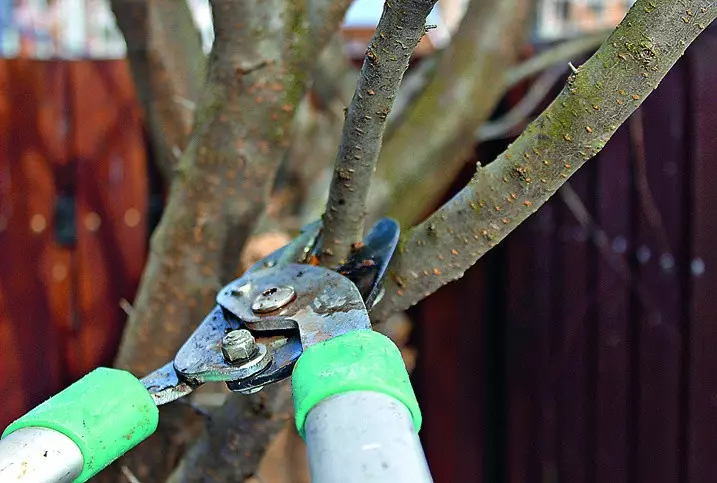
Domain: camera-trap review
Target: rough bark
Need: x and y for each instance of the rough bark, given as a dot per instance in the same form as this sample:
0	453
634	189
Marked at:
254	84
414	85
596	99
256	76
233	442
399	30
168	67
304	178
458	99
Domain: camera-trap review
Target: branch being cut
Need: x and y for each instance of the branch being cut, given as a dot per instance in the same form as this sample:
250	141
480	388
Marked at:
303	180
168	66
595	101
399	30
458	99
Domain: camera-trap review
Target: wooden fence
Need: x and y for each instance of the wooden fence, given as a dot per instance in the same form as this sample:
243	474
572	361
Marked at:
73	221
582	349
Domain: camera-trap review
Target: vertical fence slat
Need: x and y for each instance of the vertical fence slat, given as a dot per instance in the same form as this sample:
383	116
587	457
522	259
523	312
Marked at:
573	366
470	344
437	366
111	201
11	391
528	327
702	396
612	215
32	270
658	197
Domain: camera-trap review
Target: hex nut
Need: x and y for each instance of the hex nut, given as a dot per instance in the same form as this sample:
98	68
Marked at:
238	345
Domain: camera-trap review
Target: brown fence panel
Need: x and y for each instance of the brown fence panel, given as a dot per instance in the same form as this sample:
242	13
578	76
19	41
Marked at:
700	407
612	333
607	315
73	230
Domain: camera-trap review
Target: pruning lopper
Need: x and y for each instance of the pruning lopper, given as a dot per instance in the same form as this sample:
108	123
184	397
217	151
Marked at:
354	404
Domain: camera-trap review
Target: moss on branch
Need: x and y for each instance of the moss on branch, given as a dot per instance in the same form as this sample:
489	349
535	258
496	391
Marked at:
596	99
466	85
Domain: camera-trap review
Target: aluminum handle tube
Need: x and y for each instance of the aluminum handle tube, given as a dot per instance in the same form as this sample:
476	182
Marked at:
364	437
39	455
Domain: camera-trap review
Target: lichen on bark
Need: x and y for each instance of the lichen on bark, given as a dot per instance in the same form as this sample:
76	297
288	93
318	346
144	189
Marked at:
594	102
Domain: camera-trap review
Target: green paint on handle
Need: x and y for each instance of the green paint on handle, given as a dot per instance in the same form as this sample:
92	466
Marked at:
106	413
362	360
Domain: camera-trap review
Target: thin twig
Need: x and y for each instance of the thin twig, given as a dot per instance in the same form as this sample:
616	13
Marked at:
642	183
126	307
399	30
129	475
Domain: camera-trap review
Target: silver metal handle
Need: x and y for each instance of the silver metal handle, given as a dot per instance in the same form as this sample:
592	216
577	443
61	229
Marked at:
39	455
364	437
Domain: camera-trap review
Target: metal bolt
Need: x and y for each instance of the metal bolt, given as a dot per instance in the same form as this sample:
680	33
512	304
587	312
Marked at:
273	299
238	345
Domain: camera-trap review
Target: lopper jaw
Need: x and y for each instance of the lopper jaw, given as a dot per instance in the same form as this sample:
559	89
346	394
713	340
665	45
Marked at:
287	304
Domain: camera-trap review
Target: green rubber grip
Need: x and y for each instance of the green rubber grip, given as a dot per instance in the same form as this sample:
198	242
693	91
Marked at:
361	360
106	413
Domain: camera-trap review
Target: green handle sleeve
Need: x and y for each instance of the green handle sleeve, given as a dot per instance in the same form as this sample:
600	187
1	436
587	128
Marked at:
106	413
362	360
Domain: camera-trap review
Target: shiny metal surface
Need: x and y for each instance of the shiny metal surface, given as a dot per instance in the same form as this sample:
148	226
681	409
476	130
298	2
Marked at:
39	455
273	299
288	305
366	266
327	303
164	385
201	360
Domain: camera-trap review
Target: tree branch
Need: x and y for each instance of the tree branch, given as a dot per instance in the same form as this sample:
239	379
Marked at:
304	178
233	443
562	52
609	87
419	77
401	26
517	115
168	66
457	100
256	77
424	196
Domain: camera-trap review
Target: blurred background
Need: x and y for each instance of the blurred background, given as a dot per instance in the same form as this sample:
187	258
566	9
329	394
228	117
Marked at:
581	349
